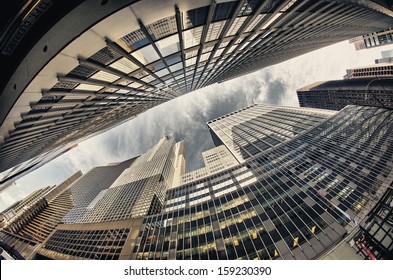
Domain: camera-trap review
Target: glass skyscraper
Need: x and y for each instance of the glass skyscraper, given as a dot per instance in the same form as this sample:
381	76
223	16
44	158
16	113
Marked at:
291	202
138	191
259	128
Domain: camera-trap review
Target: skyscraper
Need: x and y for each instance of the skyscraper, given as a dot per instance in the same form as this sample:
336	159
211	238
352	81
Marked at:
259	128
20	170
124	58
138	191
27	223
37	221
336	94
216	160
294	200
85	190
110	220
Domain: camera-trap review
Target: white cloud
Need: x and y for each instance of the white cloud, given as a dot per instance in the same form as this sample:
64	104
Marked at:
6	199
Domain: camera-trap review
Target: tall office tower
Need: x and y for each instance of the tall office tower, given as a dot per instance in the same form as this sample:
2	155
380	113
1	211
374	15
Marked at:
33	219
85	190
29	221
336	94
387	57
293	201
47	212
374	39
260	128
112	220
32	201
138	191
89	74
180	164
216	160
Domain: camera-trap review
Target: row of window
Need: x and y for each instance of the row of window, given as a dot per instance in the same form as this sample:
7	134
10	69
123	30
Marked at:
89	244
297	184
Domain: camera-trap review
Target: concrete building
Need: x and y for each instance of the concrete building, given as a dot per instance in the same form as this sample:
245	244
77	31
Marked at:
105	196
380	70
216	160
383	68
96	65
138	191
374	39
39	220
27	223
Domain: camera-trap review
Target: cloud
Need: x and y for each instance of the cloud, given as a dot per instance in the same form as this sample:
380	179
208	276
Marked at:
273	89
6	200
183	118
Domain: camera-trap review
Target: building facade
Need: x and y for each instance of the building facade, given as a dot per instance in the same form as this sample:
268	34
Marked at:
216	160
37	224
259	128
85	190
134	55
291	201
380	70
27	223
336	94
109	198
383	68
138	191
8	178
374	39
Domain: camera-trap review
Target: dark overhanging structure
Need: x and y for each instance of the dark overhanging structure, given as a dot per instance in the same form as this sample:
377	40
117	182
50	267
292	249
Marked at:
116	59
336	94
32	33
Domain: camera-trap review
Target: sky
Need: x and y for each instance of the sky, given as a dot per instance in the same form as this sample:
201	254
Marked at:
185	117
